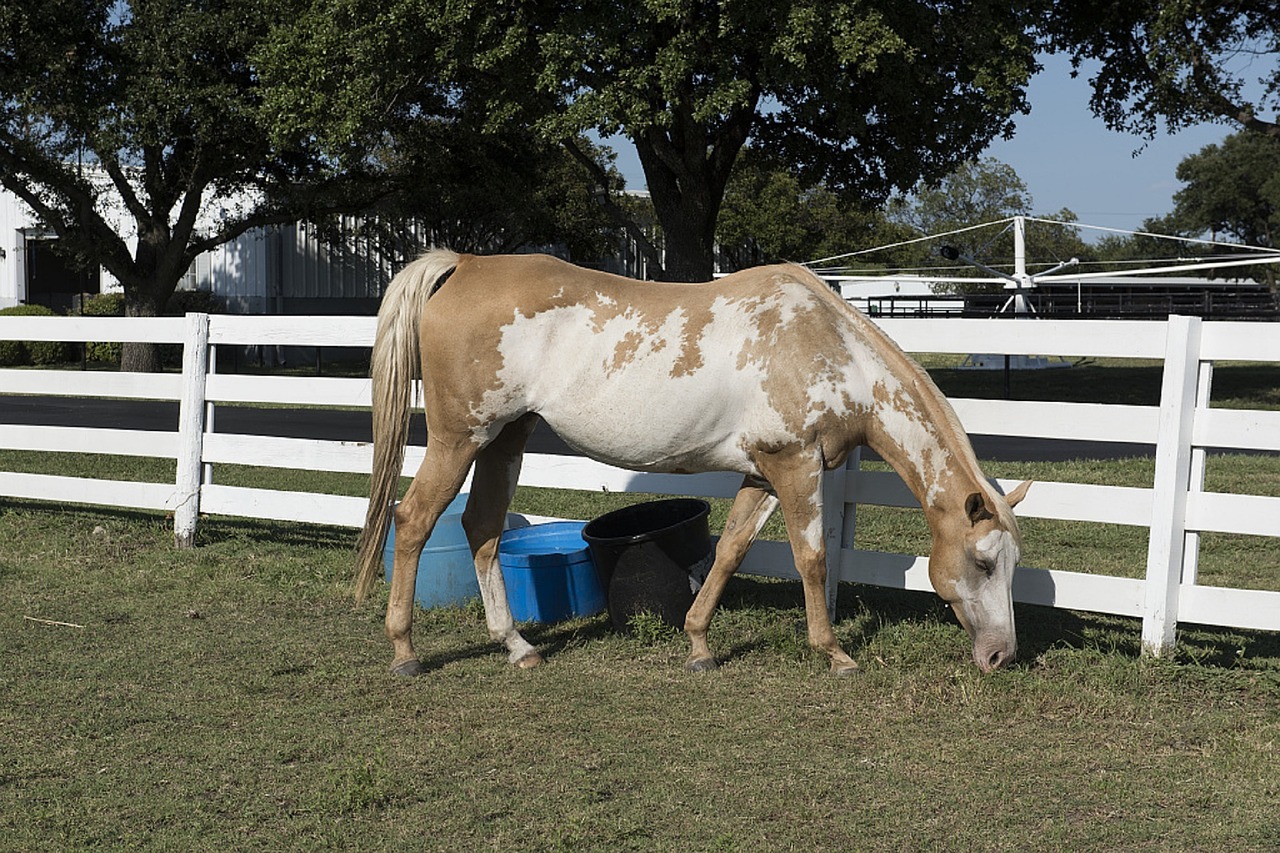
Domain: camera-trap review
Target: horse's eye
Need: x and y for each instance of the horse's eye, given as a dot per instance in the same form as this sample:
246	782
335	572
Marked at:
986	567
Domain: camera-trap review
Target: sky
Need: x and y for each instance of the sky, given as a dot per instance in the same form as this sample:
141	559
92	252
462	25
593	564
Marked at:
1068	158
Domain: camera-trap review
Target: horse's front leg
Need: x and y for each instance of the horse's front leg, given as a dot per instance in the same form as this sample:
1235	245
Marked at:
751	509
797	479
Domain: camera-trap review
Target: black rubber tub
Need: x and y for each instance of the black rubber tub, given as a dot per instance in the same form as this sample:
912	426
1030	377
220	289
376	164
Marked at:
651	557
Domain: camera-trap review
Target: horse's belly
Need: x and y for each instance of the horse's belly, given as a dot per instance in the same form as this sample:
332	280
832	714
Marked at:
651	435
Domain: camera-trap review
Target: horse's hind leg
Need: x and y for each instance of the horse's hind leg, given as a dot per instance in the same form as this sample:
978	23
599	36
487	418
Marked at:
752	507
492	487
437	482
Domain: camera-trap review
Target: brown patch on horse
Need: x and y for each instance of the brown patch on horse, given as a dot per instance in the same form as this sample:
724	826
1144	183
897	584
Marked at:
625	351
690	360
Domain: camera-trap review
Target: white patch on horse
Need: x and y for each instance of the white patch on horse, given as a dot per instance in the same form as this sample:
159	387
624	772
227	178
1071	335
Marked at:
998	548
814	531
837	388
988	600
609	387
917	437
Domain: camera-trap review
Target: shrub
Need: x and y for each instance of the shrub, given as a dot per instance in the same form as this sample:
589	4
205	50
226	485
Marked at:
103	305
33	352
112	305
193	301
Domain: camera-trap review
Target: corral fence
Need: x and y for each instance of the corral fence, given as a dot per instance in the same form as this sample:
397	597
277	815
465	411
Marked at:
1175	509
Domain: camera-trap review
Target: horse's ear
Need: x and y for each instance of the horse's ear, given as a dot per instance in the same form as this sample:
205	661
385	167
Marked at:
1015	497
976	508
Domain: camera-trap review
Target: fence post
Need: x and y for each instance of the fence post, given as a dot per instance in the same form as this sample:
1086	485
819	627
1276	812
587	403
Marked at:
1172	478
195	362
1191	554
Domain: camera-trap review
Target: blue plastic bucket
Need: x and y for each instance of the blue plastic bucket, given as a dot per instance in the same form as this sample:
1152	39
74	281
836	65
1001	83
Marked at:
548	572
446	572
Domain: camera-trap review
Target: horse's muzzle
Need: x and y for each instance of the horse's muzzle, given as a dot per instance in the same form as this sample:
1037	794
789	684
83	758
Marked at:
991	654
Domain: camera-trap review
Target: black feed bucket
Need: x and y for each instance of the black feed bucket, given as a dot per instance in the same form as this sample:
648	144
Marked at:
651	557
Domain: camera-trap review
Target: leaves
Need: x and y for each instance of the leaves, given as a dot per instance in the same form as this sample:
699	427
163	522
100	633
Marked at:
1174	64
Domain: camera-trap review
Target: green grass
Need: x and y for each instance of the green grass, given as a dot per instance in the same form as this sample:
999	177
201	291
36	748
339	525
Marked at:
231	697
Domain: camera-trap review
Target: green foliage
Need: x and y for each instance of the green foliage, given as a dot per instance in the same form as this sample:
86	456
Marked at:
1174	64
103	305
193	302
1233	190
13	353
979	192
164	91
847	93
769	216
113	305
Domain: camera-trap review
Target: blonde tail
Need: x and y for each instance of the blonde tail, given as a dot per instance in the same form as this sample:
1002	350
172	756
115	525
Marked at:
394	366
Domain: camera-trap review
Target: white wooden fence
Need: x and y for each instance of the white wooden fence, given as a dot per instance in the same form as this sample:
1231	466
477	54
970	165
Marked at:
1175	508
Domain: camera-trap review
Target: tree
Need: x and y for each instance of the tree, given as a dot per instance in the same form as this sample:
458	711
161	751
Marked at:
123	121
363	76
859	97
975	193
768	216
1176	63
480	192
979	192
1233	189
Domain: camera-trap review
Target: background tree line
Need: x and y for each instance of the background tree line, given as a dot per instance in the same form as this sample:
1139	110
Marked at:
187	122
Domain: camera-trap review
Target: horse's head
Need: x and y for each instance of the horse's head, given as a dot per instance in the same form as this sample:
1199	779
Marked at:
974	554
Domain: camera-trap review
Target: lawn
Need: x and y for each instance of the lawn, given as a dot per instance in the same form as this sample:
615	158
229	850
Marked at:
232	697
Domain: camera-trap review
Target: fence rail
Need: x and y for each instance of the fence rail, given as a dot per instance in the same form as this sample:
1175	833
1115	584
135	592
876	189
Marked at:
1175	509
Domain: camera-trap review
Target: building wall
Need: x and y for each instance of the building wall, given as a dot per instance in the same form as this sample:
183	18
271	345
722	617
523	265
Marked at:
287	269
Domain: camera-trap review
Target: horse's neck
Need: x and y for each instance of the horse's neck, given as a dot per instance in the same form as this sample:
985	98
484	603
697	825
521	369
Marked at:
915	430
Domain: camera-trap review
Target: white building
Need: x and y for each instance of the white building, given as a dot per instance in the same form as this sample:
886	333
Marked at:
284	269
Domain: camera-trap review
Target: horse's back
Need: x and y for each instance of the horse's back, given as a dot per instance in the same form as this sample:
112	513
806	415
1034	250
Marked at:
648	375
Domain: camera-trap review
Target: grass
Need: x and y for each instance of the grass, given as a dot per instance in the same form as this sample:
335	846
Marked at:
231	696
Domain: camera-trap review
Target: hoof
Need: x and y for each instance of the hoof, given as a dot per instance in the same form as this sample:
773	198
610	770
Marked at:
408	668
529	661
702	665
844	670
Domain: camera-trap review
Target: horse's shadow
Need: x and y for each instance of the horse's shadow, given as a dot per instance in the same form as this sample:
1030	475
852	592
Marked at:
550	639
863	611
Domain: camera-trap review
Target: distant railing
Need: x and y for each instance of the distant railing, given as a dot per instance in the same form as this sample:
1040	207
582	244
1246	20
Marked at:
1060	303
1175	508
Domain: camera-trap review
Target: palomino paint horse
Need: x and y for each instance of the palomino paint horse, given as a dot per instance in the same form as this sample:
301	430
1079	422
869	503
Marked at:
765	372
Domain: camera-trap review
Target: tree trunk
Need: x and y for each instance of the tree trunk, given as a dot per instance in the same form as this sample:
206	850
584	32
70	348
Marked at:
687	166
140	356
686	199
689	240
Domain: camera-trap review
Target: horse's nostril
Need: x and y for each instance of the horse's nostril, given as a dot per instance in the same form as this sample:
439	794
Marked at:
999	658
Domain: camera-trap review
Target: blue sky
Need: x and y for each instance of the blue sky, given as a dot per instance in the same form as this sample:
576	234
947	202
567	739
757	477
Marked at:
1068	158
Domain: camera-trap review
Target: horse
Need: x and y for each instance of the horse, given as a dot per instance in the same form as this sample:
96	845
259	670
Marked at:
765	372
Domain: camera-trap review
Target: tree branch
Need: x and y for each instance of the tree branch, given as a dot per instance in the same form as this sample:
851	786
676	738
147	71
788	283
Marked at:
616	213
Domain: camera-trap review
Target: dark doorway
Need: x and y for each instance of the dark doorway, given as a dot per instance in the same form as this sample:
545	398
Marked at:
54	281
